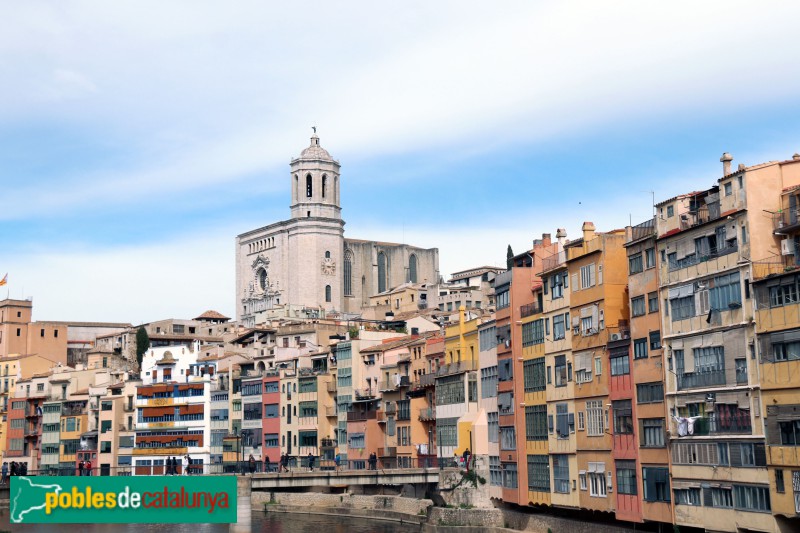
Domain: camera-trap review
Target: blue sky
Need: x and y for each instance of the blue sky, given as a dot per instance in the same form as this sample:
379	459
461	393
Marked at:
137	139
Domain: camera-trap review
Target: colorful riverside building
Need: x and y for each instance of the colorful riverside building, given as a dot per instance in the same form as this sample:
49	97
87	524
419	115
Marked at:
598	305
720	478
641	460
487	359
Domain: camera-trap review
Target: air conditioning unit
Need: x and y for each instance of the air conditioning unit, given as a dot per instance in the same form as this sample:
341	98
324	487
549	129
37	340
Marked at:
787	247
615	336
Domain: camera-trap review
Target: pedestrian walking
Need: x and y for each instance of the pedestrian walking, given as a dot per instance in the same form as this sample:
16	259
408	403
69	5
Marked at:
267	466
4	472
310	462
80	468
24	469
336	461
252	464
185	462
13	468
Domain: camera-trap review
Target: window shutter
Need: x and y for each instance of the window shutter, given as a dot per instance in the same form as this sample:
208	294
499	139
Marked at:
565	278
571	422
550	423
549	375
707	501
575	282
735	454
569	371
544	284
760	454
609	481
649	483
592	276
599	274
547	326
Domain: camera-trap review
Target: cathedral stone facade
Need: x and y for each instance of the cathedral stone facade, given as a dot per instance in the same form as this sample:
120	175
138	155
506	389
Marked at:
306	262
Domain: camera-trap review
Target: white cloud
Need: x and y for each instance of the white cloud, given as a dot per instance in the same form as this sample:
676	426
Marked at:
205	94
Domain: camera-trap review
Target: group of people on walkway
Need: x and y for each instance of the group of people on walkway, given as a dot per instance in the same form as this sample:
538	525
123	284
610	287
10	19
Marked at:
172	465
16	469
84	468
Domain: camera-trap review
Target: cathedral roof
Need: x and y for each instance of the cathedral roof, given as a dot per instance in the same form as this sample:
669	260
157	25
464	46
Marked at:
315	151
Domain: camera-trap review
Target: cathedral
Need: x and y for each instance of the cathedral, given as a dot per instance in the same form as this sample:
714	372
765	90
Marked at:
306	264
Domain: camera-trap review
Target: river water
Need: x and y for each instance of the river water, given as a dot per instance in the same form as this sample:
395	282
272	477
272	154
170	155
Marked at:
262	523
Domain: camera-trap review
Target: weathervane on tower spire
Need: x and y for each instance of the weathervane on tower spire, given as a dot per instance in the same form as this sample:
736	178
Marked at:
315	129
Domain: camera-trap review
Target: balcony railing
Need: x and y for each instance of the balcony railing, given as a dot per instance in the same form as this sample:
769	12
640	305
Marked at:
364	394
554	261
643	230
786	220
696	380
697	258
774	266
358	416
428	414
456	368
391	409
530	309
393	384
427	380
718	425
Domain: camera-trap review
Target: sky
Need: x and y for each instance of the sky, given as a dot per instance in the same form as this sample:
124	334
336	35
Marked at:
137	139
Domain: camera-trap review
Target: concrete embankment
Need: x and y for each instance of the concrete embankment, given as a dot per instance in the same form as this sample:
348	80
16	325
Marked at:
421	512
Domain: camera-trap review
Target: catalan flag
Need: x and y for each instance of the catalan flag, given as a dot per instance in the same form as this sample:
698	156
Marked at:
4	280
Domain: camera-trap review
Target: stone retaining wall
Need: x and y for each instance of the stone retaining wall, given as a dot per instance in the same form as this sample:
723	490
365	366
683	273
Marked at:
411	506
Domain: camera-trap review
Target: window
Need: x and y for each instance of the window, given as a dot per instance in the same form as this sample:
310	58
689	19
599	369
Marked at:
656	484
623	417
489	382
309	186
348	273
670	211
505	370
561	473
728	189
650	392
509	475
720	498
533	372
561	371
751	498
536	422
559	327
271	440
446	432
327	293
539	473
495	473
779	484
502	299
412	268
565	421
594	418
682	308
655	340
587	276
620	363
105	426
382	270
725	292
652	302
690	496
652	432
558	282
637	306
270	410
493	423
488	338
508	438
650	257
640	348
252	411
588	326
626	477
635	264
597	480
533	333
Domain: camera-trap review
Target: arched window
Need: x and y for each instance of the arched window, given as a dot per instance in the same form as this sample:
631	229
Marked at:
364	290
327	293
348	273
324	184
412	268
309	187
327	254
381	272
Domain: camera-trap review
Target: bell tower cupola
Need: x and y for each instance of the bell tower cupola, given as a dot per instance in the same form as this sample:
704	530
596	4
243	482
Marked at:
315	183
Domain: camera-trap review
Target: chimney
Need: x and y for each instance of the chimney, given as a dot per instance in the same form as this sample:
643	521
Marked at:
796	157
561	235
546	240
726	163
588	231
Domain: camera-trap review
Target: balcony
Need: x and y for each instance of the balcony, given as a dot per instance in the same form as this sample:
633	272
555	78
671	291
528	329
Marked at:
330	410
456	368
786	221
361	416
427	380
389	451
554	261
331	386
774	266
718	425
697	380
327	443
391	409
364	394
428	414
701	257
530	309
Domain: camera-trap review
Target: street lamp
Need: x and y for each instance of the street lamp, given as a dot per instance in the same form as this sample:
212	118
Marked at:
242	433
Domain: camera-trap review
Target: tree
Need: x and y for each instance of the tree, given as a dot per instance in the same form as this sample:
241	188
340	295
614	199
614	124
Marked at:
142	345
509	258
